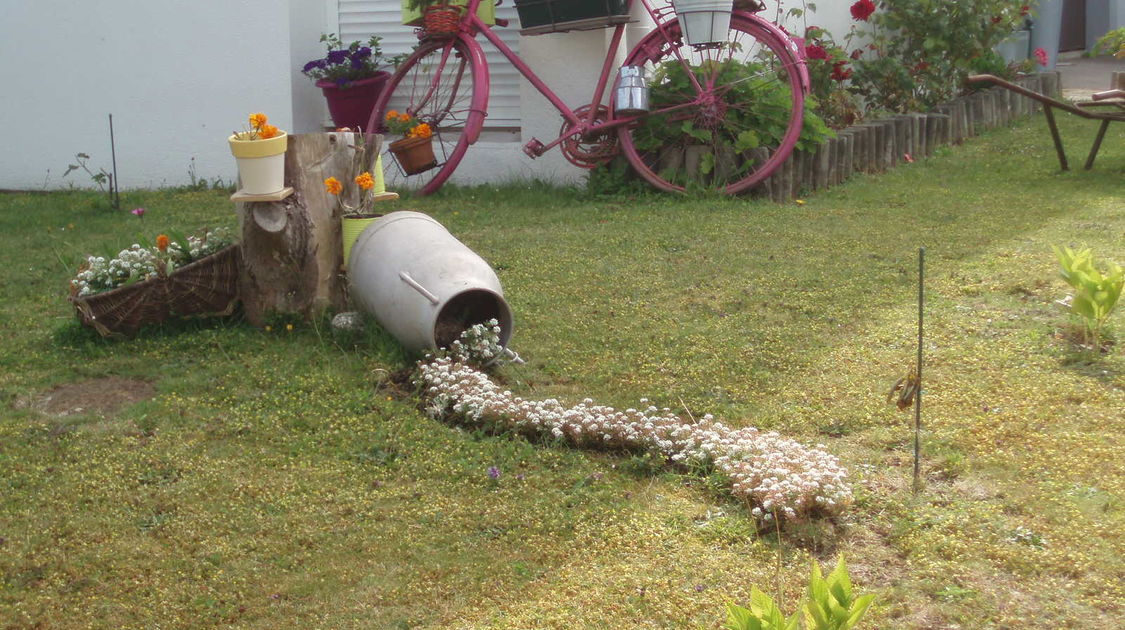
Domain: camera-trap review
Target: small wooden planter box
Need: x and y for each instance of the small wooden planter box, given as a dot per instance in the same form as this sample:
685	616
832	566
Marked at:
554	16
208	286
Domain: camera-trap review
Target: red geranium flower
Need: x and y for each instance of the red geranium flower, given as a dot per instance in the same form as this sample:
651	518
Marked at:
1041	56
815	52
863	9
840	71
996	19
1024	10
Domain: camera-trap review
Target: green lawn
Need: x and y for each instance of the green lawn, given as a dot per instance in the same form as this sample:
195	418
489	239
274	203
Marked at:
275	479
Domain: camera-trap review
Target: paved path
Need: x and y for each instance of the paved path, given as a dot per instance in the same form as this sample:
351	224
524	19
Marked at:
1082	76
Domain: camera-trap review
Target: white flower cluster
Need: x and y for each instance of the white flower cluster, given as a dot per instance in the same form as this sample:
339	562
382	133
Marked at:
201	246
98	274
778	475
479	344
144	263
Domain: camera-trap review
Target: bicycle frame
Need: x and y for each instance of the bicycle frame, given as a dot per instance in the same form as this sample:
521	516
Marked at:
471	24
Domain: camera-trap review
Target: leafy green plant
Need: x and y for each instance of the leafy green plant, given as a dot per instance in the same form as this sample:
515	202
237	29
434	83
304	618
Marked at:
831	604
1112	43
920	51
756	113
1096	292
829	67
763	614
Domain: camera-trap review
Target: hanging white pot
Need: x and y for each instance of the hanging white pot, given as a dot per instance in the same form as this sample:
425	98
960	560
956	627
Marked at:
704	21
261	162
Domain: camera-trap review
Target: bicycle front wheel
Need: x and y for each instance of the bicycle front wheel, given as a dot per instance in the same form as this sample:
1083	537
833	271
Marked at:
723	116
444	83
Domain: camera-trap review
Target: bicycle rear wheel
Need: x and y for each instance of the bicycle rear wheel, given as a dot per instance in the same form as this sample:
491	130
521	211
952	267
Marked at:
444	83
728	130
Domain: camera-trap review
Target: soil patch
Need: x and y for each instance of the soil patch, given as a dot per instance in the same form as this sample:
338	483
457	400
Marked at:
100	396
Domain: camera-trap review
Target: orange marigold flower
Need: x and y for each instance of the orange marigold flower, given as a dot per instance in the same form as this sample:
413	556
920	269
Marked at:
257	120
391	115
162	242
404	117
333	186
365	180
422	131
267	131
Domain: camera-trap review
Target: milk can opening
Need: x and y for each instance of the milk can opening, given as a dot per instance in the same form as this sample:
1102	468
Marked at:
467	309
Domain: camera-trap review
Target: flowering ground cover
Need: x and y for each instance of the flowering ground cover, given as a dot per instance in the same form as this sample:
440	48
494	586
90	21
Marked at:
286	479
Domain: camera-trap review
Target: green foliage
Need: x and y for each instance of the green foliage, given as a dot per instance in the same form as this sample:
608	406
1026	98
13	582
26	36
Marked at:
922	50
1112	43
1095	291
757	111
831	603
829	69
763	614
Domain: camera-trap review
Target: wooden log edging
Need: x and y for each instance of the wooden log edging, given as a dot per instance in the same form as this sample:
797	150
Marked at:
876	146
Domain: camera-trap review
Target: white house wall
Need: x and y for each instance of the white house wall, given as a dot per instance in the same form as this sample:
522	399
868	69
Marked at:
178	76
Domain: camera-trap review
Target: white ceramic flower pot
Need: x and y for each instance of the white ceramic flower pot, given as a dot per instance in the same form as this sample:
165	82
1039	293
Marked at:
261	163
704	21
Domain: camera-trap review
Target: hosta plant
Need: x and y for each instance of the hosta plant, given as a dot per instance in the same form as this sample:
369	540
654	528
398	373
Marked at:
763	614
832	604
1096	291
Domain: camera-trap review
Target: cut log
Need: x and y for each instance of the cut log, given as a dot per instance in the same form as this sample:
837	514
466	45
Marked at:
291	249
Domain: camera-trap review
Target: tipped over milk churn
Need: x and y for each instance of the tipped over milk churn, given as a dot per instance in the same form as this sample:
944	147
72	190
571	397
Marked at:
423	285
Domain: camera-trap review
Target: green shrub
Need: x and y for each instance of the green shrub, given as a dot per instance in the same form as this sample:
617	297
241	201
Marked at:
922	50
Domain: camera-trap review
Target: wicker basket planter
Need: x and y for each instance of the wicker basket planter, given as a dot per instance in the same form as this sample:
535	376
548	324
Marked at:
206	287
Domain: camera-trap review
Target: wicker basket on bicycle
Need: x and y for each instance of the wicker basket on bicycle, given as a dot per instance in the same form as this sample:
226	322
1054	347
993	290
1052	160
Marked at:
440	21
208	286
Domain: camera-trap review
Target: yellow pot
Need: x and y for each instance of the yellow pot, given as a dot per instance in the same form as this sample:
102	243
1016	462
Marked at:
352	228
261	162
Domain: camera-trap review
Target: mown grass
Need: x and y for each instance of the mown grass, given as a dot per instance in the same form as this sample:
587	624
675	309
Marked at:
272	482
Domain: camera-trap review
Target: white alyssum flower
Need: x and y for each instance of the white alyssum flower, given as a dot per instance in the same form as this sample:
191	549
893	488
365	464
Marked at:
780	476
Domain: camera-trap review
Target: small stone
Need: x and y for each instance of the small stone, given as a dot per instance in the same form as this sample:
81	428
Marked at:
348	327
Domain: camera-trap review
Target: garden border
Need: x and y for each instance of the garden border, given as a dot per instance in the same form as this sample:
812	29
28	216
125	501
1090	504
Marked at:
879	145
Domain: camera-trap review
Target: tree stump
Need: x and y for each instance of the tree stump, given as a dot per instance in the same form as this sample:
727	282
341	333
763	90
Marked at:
292	250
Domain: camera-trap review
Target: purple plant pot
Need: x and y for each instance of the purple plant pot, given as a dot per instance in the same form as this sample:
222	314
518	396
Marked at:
351	106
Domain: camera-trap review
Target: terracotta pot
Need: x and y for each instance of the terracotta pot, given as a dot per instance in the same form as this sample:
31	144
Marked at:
414	155
351	106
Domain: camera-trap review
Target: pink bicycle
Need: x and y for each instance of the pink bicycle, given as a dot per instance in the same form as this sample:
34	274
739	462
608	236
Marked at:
722	115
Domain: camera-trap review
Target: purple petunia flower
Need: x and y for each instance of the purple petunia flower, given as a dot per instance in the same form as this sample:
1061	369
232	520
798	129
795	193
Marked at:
363	53
337	56
357	63
312	64
493	473
341	82
140	212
